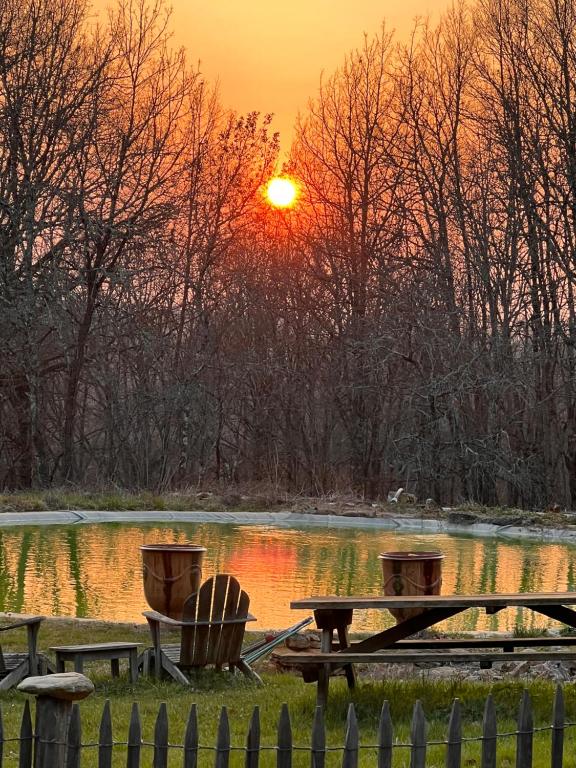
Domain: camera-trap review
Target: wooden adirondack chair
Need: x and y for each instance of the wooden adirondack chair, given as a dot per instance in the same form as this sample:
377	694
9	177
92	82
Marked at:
212	630
16	666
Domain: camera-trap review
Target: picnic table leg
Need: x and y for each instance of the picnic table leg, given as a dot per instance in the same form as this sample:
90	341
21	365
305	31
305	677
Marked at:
324	670
348	668
327	621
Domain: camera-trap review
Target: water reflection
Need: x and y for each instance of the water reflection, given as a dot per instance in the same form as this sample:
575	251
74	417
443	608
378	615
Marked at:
95	570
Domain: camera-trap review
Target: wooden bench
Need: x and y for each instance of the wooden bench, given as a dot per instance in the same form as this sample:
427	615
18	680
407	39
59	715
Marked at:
78	654
438	650
399	657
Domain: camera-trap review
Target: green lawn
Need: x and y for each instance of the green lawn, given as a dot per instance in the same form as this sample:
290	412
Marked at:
211	691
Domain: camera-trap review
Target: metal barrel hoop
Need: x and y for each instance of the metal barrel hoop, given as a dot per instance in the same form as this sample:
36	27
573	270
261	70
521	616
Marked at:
408	580
171	579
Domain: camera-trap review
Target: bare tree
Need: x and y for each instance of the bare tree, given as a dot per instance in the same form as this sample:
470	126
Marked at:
122	175
48	78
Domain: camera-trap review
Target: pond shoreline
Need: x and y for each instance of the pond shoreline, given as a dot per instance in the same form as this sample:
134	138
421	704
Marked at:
457	523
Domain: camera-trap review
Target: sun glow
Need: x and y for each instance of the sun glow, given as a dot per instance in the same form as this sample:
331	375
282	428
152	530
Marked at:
281	192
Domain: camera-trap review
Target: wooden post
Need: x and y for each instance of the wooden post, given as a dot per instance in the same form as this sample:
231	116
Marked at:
222	755
385	737
284	753
454	748
489	735
26	738
32	638
558	719
161	738
318	745
105	740
155	632
191	739
350	753
418	734
525	733
2	739
74	739
55	695
253	741
134	739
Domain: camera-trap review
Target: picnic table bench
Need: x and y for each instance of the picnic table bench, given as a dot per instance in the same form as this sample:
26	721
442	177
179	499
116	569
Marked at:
393	645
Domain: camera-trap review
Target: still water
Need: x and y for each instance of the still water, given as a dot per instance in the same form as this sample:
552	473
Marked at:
95	570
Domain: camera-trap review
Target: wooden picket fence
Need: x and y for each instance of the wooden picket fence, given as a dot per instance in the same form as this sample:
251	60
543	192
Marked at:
135	752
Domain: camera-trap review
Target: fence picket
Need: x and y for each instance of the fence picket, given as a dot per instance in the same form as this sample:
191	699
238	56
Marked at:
350	754
558	719
222	757
2	738
191	739
489	735
74	738
525	733
253	740
454	746
105	739
284	752
161	738
385	736
134	739
318	741
26	738
418	735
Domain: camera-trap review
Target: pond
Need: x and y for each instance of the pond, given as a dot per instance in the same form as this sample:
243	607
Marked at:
95	570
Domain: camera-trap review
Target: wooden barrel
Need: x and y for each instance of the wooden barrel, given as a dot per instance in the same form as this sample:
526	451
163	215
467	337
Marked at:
411	573
172	572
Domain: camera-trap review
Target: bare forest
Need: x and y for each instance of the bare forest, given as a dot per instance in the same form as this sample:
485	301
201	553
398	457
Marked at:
411	321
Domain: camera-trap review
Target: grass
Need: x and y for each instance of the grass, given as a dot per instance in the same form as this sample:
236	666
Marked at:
210	691
529	632
114	500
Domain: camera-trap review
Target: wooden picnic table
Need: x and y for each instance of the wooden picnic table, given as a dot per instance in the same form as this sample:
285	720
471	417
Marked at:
392	645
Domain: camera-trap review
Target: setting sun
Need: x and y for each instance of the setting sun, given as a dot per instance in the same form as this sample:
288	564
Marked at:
281	192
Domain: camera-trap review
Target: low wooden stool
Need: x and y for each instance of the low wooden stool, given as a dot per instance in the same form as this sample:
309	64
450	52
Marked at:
97	652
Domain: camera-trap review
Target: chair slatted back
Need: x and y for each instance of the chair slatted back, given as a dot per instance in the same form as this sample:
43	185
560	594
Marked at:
215	641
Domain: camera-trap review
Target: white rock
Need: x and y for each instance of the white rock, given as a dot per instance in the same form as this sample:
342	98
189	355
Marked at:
299	642
69	686
521	669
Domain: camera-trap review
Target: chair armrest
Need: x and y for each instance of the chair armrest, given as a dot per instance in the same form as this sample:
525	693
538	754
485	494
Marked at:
23	623
159	617
32	627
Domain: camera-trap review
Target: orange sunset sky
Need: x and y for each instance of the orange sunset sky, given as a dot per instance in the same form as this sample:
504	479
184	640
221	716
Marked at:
268	55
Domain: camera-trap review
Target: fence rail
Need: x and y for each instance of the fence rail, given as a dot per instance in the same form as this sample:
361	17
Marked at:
131	752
